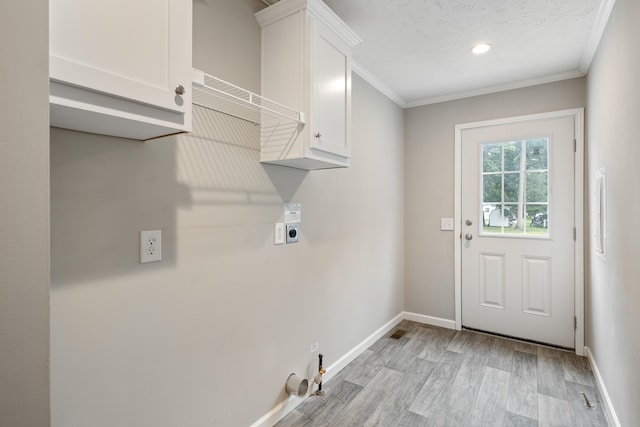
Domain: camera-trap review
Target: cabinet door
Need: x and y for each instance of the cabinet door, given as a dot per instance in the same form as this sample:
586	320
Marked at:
136	50
331	95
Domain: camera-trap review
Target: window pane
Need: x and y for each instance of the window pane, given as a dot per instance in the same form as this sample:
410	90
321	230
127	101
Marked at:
492	157
486	211
511	186
537	154
494	220
510	213
492	189
538	219
537	187
512	156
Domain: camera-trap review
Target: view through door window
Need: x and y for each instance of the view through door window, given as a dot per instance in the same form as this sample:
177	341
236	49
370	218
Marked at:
515	188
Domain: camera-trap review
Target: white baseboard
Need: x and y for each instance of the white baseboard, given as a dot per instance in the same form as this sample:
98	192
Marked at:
430	320
360	348
288	405
279	412
608	405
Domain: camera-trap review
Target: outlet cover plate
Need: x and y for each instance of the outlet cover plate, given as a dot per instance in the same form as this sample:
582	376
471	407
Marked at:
150	246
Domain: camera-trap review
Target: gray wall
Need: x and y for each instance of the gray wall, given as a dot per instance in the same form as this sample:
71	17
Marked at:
209	335
429	182
613	295
24	214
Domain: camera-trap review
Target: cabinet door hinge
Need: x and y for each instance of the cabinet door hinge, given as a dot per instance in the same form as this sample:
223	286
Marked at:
575	234
575	322
575	145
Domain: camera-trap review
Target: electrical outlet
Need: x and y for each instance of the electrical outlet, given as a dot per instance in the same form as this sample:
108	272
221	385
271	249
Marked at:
150	246
293	233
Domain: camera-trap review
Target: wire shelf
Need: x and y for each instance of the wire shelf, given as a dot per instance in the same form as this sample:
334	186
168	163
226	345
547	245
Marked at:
216	94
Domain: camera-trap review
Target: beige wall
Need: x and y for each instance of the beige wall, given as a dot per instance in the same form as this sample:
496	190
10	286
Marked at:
613	295
215	47
209	335
24	214
429	182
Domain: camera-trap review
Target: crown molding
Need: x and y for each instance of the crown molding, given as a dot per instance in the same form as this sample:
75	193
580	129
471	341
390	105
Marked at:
357	68
597	30
317	8
325	14
499	88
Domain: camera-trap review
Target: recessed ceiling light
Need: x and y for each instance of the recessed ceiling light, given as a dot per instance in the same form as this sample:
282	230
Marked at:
481	48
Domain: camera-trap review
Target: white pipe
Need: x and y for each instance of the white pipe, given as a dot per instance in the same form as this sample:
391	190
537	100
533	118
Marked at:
296	385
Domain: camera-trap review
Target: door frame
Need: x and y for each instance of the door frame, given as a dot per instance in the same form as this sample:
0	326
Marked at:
578	182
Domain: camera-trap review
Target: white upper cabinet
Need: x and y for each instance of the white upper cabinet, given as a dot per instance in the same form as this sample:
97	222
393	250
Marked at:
306	65
121	68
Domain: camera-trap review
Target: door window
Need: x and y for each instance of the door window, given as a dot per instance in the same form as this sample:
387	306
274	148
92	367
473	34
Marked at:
515	188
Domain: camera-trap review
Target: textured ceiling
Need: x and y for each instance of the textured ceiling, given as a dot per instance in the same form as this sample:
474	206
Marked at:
421	49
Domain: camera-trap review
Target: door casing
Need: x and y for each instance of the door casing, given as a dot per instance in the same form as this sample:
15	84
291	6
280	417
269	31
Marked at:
578	180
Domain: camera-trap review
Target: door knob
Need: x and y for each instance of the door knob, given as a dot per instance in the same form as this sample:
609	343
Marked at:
468	236
179	90
468	222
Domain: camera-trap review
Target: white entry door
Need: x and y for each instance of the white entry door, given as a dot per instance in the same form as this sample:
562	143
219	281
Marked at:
517	229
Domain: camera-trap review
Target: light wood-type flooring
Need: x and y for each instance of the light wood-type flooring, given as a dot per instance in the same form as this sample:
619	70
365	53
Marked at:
439	377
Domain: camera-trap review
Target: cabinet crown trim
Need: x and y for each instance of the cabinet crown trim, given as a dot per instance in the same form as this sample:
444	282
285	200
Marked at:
317	8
